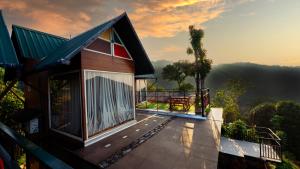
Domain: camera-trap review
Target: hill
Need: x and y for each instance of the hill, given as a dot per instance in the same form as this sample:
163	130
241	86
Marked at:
263	83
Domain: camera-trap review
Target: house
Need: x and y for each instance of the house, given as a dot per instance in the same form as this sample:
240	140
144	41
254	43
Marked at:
83	87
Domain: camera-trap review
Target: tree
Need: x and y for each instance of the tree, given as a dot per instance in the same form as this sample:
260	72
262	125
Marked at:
178	72
262	114
228	97
10	103
290	112
202	65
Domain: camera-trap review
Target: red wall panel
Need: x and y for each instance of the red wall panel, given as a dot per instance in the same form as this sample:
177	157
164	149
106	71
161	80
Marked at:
121	51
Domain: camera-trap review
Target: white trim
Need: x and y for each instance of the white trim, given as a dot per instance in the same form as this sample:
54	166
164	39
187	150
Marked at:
85	106
108	133
104	39
91	50
116	56
113	29
93	70
49	105
85	95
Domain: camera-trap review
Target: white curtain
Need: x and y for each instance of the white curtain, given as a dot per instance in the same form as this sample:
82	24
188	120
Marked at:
66	103
109	99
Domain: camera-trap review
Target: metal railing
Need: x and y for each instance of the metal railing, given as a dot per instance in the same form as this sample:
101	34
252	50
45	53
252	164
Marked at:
269	143
160	99
10	139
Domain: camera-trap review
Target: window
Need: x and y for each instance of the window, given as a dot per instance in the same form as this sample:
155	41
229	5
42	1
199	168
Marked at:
119	48
106	35
109	99
65	103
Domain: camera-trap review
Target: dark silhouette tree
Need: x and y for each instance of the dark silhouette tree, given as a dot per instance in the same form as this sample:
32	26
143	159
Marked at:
202	65
178	72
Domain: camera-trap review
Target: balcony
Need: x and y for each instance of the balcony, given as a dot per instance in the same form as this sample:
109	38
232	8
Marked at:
173	102
259	142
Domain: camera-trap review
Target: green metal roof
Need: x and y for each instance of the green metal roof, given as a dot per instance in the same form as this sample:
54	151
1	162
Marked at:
66	51
8	57
34	44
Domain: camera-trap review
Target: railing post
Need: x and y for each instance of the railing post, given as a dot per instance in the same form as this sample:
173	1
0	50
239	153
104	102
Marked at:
156	100
202	102
259	147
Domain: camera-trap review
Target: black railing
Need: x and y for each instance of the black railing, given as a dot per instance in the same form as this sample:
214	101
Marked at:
10	140
269	143
160	99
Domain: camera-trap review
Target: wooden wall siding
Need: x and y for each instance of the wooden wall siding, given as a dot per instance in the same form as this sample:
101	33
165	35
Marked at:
98	61
101	46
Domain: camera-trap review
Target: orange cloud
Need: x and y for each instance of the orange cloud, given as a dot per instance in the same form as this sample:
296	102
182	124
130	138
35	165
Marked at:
56	23
165	19
155	18
13	5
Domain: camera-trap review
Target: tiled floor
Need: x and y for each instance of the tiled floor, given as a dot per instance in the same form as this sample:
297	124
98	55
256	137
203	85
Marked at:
181	144
103	149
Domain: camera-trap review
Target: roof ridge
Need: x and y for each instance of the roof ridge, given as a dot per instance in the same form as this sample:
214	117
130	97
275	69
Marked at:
38	31
105	22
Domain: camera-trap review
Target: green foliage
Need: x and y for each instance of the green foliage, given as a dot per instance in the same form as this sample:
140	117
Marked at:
235	130
239	130
178	72
262	114
205	67
276	121
286	164
10	103
202	65
186	87
154	87
227	98
290	112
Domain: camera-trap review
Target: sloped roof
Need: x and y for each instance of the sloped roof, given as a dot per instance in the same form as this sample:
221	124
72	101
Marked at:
122	24
66	51
34	44
8	57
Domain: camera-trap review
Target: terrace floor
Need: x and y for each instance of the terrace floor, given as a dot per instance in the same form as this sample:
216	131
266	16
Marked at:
159	141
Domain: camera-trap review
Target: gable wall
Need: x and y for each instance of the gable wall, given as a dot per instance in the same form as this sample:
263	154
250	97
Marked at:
102	62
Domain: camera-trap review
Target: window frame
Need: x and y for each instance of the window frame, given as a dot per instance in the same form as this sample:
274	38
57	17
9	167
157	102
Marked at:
81	138
127	124
122	45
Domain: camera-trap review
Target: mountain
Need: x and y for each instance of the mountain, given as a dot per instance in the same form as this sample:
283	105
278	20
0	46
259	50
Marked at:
263	83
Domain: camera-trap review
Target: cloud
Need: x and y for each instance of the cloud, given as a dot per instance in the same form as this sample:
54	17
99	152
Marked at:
13	5
172	49
151	18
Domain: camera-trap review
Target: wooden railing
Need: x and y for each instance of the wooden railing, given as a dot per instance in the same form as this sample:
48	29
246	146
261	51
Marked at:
164	96
10	138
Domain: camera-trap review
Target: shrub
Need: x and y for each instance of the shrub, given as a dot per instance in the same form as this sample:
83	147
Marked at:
236	130
290	112
262	114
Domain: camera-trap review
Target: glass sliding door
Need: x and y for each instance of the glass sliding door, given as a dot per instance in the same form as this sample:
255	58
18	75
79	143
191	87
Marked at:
109	99
65	103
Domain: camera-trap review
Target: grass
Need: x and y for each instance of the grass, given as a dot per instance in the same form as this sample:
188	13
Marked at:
161	106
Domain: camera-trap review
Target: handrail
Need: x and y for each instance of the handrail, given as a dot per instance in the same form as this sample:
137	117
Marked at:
163	96
269	142
40	154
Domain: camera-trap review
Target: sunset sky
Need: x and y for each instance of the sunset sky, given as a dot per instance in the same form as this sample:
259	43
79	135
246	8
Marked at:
257	31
